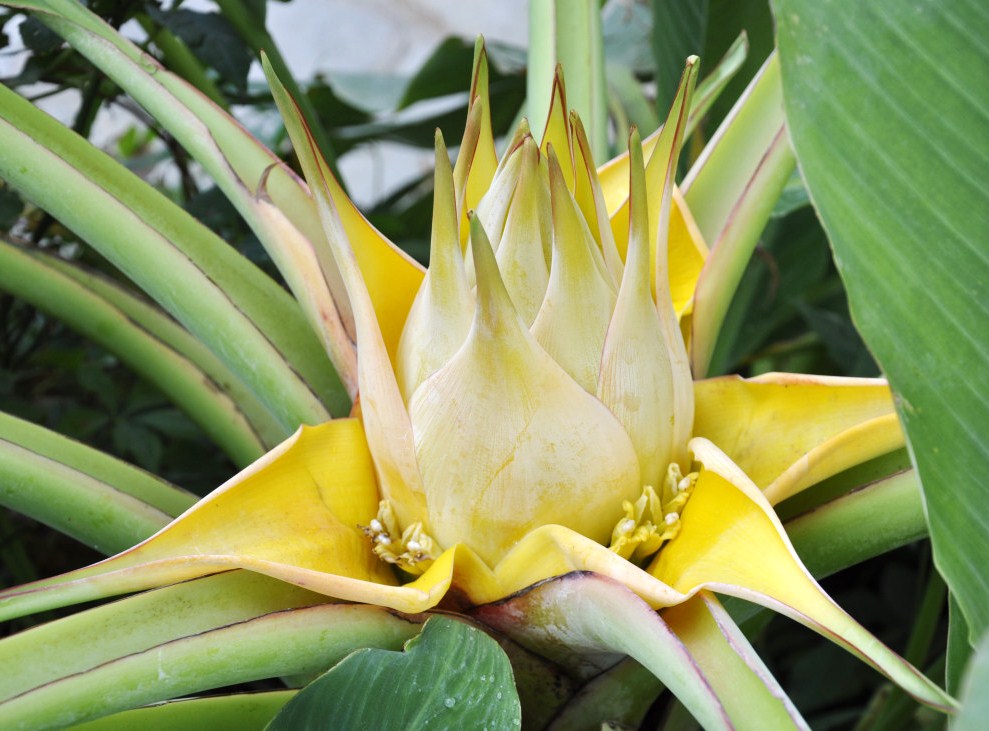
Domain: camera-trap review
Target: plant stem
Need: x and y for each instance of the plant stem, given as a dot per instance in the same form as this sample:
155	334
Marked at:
568	33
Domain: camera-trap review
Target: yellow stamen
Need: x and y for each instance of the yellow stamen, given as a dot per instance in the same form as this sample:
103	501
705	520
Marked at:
650	521
412	550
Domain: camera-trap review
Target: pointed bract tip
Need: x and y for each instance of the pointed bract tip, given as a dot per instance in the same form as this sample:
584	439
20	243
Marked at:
442	170
692	61
559	85
635	149
575	119
266	67
485	264
480	68
530	151
476	229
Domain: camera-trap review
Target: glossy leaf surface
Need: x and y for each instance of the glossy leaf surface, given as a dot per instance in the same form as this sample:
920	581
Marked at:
451	676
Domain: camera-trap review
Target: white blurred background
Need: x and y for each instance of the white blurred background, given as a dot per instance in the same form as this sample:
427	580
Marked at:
327	37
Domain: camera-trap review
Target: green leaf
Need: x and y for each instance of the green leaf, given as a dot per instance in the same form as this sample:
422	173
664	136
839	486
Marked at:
626	28
451	676
38	38
726	20
974	715
628	91
959	650
446	71
11	206
888	110
249	24
212	39
717	78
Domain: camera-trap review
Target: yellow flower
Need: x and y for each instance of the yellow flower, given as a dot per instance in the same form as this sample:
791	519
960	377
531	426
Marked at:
524	407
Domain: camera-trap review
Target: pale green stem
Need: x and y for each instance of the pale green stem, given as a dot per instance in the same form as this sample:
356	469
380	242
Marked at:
239	710
250	322
568	32
163	328
221	630
272	200
74	503
33	279
93	463
863	524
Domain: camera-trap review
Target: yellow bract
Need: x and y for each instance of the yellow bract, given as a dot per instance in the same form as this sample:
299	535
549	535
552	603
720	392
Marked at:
441	314
817	426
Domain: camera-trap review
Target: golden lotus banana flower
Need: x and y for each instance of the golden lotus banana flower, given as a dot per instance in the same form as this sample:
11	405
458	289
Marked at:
526	410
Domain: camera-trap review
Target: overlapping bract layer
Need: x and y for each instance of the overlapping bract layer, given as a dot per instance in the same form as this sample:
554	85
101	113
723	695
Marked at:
569	392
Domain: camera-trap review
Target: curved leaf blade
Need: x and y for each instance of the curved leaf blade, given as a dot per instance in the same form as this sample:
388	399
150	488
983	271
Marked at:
975	701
